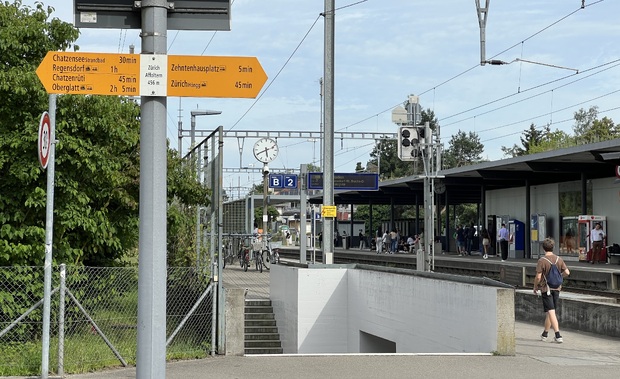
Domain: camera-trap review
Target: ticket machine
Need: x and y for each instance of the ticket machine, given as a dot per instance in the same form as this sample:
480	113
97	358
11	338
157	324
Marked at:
585	224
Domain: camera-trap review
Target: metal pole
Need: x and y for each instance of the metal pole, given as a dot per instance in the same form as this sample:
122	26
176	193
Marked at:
220	230
198	234
265	193
151	352
49	231
192	134
321	127
61	321
303	172
328	135
482	22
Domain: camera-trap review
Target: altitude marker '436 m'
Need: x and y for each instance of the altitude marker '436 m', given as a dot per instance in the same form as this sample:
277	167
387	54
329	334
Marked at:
151	75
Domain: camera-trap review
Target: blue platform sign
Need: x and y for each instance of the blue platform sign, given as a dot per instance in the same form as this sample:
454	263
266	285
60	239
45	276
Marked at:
290	181
276	181
346	181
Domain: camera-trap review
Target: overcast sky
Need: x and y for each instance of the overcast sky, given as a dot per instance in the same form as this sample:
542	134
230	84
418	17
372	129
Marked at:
388	49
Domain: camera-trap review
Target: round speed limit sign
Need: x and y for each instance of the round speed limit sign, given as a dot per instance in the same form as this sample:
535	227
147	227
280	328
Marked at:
45	139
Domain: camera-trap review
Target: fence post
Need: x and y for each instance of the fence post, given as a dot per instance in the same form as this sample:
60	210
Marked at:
61	321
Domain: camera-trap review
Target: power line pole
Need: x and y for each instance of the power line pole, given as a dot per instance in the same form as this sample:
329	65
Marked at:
328	135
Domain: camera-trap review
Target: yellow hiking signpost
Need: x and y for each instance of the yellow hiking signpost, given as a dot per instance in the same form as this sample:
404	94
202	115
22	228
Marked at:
151	75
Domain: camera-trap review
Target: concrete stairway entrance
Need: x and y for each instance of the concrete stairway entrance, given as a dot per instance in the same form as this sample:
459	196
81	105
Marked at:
261	331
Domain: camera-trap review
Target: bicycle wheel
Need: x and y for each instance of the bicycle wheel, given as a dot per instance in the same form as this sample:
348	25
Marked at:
259	262
246	261
241	258
225	259
266	258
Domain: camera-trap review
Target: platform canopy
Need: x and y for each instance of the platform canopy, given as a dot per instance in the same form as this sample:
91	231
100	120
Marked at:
466	184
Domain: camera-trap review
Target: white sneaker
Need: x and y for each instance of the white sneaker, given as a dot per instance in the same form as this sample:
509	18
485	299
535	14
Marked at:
558	339
503	260
485	256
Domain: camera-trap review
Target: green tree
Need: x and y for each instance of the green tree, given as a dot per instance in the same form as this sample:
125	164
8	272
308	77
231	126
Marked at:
530	137
464	149
589	129
553	140
97	156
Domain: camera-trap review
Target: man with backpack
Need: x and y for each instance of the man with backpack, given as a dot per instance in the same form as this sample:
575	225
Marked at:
550	272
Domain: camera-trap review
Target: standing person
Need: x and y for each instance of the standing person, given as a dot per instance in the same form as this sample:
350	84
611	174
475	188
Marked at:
386	242
550	296
379	241
597	236
460	240
320	239
504	236
393	241
471	232
362	240
486	241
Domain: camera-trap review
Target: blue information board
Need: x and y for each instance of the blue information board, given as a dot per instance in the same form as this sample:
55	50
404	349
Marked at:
276	181
346	181
290	181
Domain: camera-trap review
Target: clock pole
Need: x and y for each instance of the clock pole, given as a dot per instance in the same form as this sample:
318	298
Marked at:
265	191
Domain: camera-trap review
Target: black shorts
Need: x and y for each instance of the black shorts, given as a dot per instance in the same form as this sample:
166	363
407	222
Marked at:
550	302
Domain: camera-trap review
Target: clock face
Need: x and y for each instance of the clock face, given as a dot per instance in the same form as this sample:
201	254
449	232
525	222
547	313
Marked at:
440	187
265	150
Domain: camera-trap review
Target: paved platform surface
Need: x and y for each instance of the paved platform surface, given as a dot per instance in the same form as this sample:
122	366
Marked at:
582	355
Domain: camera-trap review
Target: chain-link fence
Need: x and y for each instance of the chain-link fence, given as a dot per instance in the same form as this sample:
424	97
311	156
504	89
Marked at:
94	325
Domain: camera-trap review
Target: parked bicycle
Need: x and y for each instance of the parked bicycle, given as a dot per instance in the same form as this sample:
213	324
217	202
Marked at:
227	253
270	253
244	256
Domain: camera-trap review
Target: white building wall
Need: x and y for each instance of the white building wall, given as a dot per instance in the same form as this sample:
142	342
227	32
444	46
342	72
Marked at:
511	201
284	294
606	202
419	314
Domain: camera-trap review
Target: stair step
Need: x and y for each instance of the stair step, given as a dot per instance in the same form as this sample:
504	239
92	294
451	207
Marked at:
261	323
262	337
262	344
275	350
258	309
259	316
255	302
261	331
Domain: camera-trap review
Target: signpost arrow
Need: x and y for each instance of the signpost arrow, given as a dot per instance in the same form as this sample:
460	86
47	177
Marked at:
230	77
90	73
123	75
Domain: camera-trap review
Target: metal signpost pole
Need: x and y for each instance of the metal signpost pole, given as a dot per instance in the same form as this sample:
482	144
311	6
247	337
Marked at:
328	135
151	353
49	229
303	246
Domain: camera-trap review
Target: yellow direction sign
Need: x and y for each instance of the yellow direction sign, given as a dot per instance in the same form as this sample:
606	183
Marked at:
172	75
329	211
232	77
90	73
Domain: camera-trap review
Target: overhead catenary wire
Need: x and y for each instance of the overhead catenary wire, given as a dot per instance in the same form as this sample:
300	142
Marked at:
478	64
614	63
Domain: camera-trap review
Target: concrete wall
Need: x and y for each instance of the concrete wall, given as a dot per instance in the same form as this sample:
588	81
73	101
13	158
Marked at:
348	310
576	314
235	321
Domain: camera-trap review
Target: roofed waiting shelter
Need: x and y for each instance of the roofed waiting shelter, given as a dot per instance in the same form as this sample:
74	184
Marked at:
519	187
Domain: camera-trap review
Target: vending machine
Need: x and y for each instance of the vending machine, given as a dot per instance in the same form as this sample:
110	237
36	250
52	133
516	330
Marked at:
516	246
584	244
